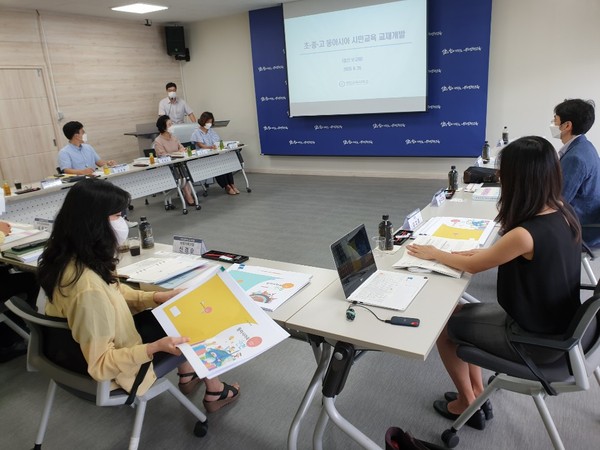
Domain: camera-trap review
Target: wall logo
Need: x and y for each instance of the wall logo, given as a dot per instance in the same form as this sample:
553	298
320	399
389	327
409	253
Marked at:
422	141
355	142
329	127
450	51
295	142
267	68
466	87
459	124
434	106
273	99
388	125
271	128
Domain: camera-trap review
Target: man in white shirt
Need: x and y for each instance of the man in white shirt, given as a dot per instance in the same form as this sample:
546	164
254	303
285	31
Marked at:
175	108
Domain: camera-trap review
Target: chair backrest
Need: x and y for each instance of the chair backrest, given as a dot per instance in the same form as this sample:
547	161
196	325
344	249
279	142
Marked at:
53	351
147	152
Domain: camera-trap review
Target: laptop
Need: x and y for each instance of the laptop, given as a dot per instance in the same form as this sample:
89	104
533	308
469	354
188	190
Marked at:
362	282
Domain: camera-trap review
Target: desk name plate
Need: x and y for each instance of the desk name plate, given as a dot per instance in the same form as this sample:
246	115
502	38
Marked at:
413	220
188	245
438	198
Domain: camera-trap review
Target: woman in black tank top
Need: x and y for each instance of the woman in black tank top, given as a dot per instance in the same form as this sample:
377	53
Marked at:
538	260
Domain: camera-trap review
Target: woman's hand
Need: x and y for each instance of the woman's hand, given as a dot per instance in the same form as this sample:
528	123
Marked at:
167	344
428	252
5	228
161	297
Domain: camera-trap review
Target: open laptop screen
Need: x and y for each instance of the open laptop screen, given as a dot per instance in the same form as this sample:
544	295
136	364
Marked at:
353	259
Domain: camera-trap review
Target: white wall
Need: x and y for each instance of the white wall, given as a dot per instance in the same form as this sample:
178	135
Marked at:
542	51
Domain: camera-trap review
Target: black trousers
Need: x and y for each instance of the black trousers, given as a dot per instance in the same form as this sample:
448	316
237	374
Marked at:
224	180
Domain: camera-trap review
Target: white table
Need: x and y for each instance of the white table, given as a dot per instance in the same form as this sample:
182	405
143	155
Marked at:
324	320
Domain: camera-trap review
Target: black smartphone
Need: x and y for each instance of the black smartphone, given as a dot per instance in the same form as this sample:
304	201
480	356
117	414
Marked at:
449	193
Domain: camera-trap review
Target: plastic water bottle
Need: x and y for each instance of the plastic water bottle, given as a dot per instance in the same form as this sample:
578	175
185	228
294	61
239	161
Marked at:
505	135
146	233
452	179
151	159
221	145
385	231
485	152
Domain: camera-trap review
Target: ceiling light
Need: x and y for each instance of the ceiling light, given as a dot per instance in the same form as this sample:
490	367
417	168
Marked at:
140	8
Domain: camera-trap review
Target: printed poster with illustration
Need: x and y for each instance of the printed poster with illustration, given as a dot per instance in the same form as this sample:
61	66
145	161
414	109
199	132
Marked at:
225	326
269	288
462	228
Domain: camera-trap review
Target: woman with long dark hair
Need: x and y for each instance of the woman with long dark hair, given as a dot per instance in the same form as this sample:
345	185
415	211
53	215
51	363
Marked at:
77	273
539	262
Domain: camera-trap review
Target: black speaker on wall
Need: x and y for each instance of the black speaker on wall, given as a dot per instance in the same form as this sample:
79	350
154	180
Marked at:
175	40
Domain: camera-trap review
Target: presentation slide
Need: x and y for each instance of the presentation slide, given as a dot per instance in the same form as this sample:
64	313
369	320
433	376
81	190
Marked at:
354	57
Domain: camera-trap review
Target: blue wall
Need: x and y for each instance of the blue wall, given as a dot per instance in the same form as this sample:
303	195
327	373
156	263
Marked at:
453	125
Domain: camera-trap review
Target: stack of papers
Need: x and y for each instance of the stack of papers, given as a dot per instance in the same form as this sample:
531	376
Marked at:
447	245
270	288
25	257
160	269
462	228
490	194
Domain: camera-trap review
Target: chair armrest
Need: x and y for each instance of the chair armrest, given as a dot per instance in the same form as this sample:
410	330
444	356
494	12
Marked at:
579	324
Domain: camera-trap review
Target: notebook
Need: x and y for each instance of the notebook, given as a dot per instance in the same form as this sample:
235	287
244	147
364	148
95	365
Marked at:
363	282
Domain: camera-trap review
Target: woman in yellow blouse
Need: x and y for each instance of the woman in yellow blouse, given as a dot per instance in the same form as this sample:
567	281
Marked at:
77	272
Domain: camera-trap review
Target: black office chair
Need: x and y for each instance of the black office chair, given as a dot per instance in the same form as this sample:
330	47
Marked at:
570	373
53	351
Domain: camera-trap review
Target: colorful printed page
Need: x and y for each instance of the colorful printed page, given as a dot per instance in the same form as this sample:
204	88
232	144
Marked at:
270	288
226	328
462	228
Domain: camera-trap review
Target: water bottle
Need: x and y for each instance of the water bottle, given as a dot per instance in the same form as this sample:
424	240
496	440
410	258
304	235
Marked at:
221	145
505	135
385	231
452	179
146	233
485	152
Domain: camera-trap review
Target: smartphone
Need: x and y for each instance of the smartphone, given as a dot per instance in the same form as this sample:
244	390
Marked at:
449	193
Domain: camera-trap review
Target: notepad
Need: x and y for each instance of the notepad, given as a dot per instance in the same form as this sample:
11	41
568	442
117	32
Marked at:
490	194
159	270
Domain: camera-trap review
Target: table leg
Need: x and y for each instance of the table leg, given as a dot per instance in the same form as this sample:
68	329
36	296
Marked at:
342	359
323	361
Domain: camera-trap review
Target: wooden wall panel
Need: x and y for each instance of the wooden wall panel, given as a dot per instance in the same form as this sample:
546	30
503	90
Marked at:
107	74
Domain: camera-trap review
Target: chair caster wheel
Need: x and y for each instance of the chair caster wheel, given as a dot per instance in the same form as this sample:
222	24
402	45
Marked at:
450	438
205	194
146	202
167	207
130	207
185	211
200	429
248	190
198	207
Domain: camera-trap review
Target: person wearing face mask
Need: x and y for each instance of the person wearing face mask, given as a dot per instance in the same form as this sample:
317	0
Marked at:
78	157
580	163
116	331
206	137
174	107
167	143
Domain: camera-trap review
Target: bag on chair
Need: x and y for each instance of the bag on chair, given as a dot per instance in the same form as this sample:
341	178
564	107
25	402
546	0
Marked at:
397	439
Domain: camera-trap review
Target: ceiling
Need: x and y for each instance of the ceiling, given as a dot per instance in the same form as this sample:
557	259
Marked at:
180	11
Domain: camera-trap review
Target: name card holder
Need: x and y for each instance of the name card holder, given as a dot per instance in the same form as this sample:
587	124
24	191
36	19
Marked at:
413	220
50	182
43	224
188	245
163	159
119	168
438	198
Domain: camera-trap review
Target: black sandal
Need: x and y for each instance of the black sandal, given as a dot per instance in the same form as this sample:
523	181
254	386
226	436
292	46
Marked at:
188	387
223	400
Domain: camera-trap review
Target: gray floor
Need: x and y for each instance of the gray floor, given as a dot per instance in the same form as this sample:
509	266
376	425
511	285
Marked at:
293	218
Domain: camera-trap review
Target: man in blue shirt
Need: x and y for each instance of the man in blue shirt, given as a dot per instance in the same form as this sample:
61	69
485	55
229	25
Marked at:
77	157
580	163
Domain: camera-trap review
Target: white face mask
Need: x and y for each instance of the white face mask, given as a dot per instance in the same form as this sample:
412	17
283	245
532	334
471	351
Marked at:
84	137
208	125
555	131
172	95
171	129
120	229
